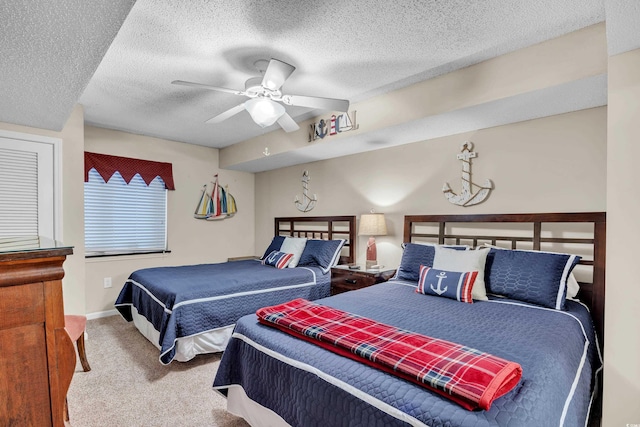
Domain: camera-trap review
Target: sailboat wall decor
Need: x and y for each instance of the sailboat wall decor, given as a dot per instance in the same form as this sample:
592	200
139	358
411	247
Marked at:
217	204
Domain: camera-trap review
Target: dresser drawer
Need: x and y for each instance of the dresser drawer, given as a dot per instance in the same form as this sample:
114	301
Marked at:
348	282
21	305
345	279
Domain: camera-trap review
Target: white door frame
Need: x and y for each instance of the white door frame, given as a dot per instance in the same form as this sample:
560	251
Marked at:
56	144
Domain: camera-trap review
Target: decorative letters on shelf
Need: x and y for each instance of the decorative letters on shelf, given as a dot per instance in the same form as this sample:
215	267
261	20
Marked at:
335	125
467	197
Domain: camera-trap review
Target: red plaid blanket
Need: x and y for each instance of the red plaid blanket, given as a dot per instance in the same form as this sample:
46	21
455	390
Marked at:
467	376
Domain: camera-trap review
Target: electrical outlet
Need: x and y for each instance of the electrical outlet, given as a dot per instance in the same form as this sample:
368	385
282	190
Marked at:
107	282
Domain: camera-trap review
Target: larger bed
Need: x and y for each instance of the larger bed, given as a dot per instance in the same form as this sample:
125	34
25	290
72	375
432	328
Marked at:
272	378
189	310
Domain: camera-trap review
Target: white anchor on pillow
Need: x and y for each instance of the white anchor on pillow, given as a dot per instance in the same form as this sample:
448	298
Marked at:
442	275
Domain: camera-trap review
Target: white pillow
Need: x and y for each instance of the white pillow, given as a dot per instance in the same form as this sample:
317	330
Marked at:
572	287
463	261
295	246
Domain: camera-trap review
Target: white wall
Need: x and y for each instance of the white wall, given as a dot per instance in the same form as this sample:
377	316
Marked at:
554	164
72	136
622	309
191	241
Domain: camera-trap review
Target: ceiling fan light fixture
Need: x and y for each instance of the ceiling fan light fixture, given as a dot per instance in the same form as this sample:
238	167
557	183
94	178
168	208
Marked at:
264	111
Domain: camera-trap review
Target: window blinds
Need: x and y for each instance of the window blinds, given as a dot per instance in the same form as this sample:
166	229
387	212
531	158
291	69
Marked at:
123	218
18	193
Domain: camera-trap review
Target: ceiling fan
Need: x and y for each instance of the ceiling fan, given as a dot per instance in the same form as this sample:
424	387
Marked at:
264	104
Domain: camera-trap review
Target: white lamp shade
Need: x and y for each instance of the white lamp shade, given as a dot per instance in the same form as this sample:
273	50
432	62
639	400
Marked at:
372	225
264	111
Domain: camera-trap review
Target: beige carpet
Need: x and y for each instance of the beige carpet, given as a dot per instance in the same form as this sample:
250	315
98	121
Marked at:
127	385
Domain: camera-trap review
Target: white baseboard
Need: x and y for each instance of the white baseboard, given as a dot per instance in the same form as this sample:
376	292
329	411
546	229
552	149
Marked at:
100	314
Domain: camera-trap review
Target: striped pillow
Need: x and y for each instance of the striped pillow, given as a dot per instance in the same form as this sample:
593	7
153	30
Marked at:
277	259
448	284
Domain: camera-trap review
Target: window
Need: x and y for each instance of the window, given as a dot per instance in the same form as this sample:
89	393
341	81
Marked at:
121	218
28	186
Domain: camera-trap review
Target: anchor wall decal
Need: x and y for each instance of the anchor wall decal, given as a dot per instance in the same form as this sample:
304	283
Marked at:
307	203
467	197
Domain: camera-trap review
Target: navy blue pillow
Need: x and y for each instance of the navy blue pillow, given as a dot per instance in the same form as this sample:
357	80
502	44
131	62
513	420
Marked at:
275	245
415	255
536	277
321	253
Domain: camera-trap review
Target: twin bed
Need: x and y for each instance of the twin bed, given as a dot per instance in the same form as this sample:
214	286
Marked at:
189	310
272	378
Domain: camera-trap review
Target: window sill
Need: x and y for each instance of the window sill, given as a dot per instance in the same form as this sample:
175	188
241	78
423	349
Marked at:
126	256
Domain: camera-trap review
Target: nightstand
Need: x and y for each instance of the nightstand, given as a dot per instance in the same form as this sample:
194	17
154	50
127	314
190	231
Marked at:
344	279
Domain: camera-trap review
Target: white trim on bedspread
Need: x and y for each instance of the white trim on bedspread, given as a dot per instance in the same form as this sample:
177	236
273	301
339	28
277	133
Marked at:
383	406
210	341
238	401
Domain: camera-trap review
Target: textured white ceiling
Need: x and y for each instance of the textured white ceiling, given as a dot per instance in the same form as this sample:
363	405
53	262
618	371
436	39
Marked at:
350	50
48	52
623	25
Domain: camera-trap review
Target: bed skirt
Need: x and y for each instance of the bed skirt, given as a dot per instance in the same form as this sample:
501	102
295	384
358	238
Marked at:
239	404
187	348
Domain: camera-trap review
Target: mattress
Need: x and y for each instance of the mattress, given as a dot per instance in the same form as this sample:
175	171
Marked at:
307	385
188	301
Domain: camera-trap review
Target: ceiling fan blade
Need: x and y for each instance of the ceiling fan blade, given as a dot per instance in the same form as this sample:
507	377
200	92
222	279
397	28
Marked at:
317	102
287	123
209	87
276	74
226	114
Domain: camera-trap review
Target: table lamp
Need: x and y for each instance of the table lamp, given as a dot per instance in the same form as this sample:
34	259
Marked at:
372	224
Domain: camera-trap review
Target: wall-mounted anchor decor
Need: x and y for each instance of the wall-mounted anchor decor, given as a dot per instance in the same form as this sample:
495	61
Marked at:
218	204
307	203
467	197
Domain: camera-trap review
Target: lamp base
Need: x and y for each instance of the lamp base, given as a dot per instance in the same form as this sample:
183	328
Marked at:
370	263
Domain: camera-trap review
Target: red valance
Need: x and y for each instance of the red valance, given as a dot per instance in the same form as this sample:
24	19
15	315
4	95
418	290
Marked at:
107	165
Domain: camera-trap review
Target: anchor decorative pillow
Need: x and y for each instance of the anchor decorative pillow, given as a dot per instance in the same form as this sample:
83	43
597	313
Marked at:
277	259
448	284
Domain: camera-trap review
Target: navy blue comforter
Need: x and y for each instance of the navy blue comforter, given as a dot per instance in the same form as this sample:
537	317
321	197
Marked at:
310	386
187	300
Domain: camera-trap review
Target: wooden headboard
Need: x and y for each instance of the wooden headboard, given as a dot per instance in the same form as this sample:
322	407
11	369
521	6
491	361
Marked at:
530	233
322	227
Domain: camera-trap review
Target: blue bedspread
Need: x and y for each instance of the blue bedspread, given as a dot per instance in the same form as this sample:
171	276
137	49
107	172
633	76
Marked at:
187	300
309	386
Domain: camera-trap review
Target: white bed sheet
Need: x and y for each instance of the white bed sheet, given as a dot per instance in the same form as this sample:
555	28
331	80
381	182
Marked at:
239	404
213	341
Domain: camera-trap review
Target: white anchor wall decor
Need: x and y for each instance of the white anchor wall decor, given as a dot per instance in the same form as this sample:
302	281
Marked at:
307	202
467	197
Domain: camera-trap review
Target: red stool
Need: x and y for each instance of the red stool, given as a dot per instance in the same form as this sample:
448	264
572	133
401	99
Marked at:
75	326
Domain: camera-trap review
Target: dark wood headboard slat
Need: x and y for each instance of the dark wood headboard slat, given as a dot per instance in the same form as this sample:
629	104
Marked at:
321	227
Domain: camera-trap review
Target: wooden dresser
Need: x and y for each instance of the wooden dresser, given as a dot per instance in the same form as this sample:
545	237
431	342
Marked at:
37	357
